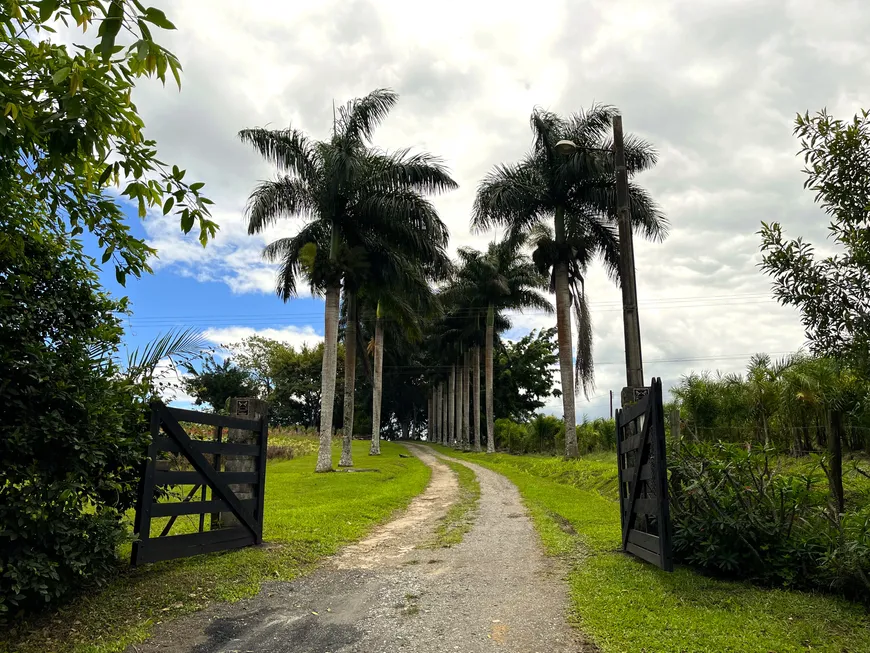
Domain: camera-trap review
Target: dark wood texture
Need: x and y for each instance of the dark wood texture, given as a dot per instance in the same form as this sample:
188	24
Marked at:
643	491
208	481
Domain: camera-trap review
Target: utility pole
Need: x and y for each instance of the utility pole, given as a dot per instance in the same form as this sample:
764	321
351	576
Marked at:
630	318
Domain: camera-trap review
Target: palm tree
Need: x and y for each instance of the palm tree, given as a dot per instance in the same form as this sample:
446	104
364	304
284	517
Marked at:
488	283
349	195
578	192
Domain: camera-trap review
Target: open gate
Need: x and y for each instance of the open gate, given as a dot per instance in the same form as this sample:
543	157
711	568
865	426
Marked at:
233	499
643	488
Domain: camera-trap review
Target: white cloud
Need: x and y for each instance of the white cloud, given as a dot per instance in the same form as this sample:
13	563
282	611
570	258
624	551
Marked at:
713	85
290	335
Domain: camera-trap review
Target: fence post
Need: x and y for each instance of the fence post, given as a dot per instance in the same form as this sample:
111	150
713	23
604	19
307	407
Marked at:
250	408
835	451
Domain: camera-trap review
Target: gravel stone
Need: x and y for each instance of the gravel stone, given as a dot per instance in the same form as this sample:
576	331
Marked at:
495	591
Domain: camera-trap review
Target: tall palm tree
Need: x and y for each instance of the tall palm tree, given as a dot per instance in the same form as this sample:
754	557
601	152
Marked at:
578	192
400	289
348	195
502	278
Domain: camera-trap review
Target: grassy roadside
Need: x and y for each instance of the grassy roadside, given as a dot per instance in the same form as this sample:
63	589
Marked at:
308	516
460	518
626	605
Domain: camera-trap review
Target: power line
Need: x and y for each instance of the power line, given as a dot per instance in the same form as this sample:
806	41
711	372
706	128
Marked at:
662	303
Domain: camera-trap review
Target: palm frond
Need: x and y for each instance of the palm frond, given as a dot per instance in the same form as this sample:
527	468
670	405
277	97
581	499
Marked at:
512	195
175	345
288	149
422	172
359	118
284	197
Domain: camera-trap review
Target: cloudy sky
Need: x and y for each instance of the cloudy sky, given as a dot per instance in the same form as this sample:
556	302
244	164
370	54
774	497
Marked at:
715	85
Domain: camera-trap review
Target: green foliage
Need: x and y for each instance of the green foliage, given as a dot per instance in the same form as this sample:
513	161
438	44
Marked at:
737	514
307	517
69	129
831	293
546	434
782	404
524	374
622	604
72	434
216	383
362	207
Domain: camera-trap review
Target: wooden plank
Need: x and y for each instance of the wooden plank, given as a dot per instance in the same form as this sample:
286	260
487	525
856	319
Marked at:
178	546
217	484
646	472
171	522
196	478
197	417
631	443
644	554
659	448
644	506
142	525
647	541
175	508
633	411
634	484
211	447
261	483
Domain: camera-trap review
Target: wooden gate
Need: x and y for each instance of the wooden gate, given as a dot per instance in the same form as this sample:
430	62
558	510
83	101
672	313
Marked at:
205	487
643	488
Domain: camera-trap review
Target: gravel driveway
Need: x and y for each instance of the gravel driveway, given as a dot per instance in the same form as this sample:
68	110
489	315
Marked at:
496	591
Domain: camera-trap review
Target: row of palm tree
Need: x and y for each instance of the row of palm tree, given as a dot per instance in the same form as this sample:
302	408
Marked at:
373	245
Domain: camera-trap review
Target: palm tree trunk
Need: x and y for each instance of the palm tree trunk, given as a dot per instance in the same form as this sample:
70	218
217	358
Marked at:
465	402
349	379
476	408
430	416
451	408
442	412
437	414
566	359
490	414
378	385
327	392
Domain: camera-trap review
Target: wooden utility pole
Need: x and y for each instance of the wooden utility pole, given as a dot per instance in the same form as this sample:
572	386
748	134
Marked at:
631	321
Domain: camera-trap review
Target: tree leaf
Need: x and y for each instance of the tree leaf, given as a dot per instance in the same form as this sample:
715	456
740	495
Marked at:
60	76
167	207
157	17
46	9
110	27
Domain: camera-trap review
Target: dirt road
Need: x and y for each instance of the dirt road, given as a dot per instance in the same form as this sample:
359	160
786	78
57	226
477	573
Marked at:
495	591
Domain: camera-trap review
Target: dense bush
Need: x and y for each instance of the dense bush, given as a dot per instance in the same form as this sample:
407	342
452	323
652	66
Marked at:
737	513
546	434
71	437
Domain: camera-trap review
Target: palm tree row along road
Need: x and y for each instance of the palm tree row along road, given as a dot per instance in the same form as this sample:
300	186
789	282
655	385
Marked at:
372	244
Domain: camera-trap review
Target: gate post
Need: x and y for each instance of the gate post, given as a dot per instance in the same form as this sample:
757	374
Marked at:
249	408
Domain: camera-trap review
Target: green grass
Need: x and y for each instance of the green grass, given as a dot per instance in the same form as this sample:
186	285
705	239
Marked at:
308	516
460	517
626	605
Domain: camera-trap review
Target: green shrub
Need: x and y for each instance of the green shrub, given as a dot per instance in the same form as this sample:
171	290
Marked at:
737	514
72	434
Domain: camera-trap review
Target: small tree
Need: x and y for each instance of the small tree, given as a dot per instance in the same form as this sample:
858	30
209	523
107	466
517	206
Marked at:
831	293
72	434
216	383
68	129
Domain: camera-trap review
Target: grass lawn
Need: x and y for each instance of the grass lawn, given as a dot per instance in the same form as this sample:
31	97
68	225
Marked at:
308	516
460	518
627	605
